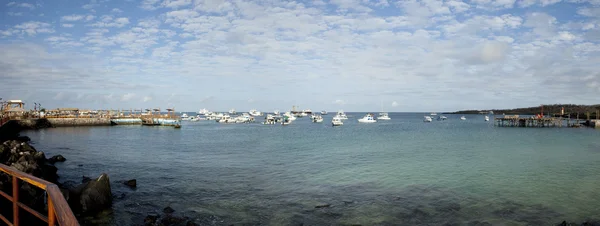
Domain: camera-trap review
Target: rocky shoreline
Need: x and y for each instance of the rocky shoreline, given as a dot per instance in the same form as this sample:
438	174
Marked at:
88	198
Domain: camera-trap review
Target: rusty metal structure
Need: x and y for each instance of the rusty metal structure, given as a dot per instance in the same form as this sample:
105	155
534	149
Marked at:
59	211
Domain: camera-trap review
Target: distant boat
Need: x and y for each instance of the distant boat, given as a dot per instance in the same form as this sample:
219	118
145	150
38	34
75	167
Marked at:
441	117
341	115
254	112
383	116
203	111
317	118
336	121
185	117
433	114
487	118
232	111
427	119
276	112
368	118
286	120
463	118
323	112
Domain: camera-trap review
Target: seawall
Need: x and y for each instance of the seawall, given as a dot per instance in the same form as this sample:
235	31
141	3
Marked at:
62	122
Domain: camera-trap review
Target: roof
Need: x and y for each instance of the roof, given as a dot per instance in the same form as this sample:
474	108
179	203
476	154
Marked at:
68	109
16	110
15	101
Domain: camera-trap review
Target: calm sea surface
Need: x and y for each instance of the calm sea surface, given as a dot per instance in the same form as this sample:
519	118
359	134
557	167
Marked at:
399	172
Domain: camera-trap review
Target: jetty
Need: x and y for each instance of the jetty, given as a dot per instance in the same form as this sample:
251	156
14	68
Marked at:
516	121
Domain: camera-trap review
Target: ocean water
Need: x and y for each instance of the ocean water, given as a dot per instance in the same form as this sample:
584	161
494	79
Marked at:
398	172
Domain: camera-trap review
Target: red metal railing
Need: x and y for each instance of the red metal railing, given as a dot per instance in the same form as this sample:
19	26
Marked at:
58	209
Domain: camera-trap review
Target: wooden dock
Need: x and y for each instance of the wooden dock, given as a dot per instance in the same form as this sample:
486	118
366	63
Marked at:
516	121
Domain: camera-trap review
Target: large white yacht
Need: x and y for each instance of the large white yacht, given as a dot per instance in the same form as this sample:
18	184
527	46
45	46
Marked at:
368	118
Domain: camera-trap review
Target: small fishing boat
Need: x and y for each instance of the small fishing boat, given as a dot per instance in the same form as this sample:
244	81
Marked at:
336	121
323	112
441	118
178	126
463	118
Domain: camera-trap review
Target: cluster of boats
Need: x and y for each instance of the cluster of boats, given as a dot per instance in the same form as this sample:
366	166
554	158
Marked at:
277	118
429	118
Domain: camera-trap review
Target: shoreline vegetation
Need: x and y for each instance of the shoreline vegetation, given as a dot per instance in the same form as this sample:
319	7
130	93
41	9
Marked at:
91	199
571	110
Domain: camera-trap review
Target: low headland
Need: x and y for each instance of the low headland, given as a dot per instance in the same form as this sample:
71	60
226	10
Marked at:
564	110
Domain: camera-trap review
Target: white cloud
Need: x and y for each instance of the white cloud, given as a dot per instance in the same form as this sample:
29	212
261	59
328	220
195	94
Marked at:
109	21
394	104
15	14
72	17
26	5
149	4
339	102
68	25
176	3
128	96
116	10
89	17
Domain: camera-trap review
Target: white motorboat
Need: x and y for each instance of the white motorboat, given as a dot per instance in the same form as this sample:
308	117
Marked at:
195	119
336	121
232	111
323	112
270	120
254	112
185	117
383	116
317	118
203	111
463	118
433	114
244	118
341	115
286	120
487	118
290	116
441	118
427	119
226	119
368	118
276	112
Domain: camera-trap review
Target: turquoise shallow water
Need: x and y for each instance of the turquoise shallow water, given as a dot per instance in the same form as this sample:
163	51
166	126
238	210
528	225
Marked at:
400	172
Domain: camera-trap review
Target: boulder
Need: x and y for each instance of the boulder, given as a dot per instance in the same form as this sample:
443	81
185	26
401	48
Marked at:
57	158
168	210
92	197
131	183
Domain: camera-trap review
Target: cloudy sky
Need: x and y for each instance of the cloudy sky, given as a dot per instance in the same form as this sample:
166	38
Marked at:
355	55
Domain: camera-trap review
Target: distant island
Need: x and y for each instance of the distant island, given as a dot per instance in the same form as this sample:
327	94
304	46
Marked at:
550	109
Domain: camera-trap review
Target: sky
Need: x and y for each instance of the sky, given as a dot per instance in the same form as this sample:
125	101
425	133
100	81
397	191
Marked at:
355	55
